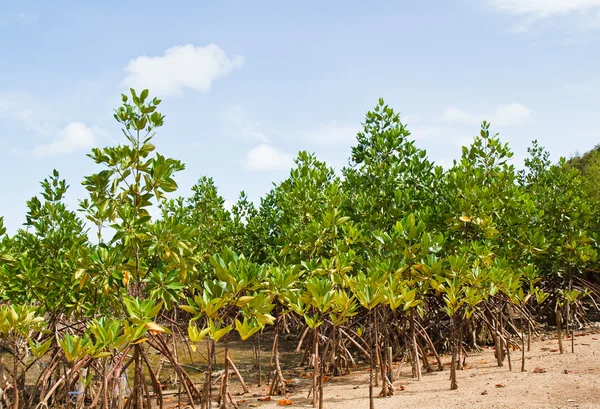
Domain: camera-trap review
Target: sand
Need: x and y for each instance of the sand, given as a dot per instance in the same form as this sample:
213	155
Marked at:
551	380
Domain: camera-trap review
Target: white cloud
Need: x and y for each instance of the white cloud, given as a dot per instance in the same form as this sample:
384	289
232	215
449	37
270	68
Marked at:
504	115
17	19
511	114
13	106
586	87
73	137
267	157
32	122
412	118
454	114
184	66
25	115
237	123
332	133
7	103
545	8
102	134
437	132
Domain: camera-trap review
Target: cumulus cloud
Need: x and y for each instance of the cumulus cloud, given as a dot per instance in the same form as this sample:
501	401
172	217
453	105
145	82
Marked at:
545	8
511	114
267	157
14	107
75	136
435	132
454	114
504	115
240	126
25	115
183	66
332	133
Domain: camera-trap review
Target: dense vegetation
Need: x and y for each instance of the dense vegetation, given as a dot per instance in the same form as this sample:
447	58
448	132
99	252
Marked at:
396	257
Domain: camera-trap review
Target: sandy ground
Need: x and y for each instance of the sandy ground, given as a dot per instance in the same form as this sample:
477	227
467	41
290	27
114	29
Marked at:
560	381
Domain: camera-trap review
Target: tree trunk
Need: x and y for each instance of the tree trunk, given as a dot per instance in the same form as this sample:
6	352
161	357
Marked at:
278	384
390	358
528	336
453	384
371	365
138	379
432	348
321	374
572	339
459	363
415	348
258	357
426	364
499	347
206	393
508	352
239	376
523	340
315	385
559	329
15	376
224	390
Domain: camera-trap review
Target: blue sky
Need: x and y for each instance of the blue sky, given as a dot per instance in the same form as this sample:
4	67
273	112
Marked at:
246	85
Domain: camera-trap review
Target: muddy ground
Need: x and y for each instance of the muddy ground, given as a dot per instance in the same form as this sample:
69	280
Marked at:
551	380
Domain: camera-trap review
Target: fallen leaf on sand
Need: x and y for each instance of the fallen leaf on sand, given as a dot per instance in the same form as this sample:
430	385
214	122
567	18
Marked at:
285	402
567	372
483	361
265	399
499	385
400	388
554	350
539	370
484	393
